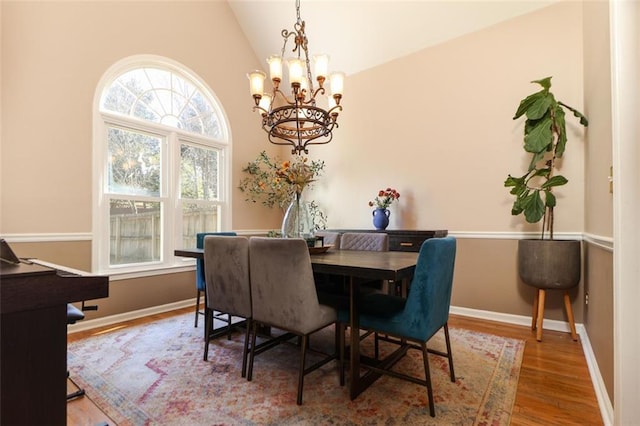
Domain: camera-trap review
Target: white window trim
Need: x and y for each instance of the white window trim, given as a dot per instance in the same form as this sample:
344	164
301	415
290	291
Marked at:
100	225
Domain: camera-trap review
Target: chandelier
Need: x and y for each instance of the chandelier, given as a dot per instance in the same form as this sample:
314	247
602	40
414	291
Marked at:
297	120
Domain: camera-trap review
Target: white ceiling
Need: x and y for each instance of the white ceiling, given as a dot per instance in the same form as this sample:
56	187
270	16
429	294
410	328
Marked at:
360	34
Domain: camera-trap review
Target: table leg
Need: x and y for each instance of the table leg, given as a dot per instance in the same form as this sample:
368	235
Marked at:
354	352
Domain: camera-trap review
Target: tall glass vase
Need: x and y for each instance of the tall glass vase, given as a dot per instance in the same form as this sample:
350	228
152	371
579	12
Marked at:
297	222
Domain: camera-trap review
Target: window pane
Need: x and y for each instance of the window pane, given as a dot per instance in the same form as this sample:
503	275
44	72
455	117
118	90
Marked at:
198	173
198	218
134	232
134	163
161	96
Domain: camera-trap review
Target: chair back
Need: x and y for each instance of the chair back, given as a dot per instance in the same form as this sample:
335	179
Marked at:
370	241
200	281
330	238
226	264
282	286
427	307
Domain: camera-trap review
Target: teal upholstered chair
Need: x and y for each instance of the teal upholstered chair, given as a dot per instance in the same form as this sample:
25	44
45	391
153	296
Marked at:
425	312
200	281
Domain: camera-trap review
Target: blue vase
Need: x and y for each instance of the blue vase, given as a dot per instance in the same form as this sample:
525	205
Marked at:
381	218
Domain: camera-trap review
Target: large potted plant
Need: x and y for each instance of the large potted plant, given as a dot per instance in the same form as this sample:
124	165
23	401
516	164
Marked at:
544	263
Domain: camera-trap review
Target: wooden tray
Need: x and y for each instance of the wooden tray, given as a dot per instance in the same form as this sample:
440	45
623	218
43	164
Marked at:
319	250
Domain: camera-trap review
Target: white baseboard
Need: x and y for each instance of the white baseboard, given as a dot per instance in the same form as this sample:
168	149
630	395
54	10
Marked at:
604	402
127	316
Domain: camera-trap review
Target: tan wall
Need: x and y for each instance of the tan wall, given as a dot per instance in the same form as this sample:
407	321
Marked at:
598	265
598	315
437	126
54	54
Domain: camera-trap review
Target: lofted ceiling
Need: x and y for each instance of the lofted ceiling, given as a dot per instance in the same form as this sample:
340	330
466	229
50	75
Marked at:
360	34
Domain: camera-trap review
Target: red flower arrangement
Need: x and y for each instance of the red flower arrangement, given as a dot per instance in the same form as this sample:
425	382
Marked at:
385	198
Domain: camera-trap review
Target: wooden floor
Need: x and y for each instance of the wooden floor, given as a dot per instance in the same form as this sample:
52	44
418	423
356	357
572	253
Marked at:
554	388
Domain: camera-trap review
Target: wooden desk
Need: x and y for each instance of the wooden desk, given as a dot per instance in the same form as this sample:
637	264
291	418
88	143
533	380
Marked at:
391	265
33	358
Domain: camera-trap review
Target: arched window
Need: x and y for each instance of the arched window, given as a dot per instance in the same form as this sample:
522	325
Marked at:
161	162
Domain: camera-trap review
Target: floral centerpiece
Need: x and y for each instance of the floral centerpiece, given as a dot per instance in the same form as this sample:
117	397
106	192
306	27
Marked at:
297	173
382	202
275	182
385	198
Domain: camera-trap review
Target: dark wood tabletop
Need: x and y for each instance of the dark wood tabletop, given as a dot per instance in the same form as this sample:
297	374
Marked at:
388	265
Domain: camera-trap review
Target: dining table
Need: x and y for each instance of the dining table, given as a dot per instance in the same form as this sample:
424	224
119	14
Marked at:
370	265
354	265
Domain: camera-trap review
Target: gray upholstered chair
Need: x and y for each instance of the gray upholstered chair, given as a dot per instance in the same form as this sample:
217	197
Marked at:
200	286
330	238
370	241
226	266
284	297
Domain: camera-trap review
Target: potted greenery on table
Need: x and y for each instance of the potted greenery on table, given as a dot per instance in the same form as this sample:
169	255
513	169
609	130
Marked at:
544	263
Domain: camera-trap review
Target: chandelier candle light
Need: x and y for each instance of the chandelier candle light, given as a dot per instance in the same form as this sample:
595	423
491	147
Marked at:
297	120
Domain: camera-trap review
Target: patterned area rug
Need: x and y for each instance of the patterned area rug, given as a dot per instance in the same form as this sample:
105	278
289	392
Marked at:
154	374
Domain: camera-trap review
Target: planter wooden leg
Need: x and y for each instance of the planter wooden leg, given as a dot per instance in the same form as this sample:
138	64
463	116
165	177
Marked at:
572	324
534	313
540	315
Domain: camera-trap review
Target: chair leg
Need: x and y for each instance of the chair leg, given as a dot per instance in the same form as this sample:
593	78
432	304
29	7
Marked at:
376	346
80	392
252	353
208	318
341	363
229	327
245	350
449	354
303	355
540	314
427	375
567	307
197	307
534	313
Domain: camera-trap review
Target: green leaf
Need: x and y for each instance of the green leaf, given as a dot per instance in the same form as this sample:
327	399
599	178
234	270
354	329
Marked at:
539	136
534	208
540	107
557	180
545	83
516	209
542	172
562	131
527	102
534	160
511	181
549	199
577	114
